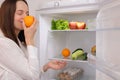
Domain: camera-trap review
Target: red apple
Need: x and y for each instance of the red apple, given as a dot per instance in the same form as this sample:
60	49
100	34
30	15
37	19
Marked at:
81	25
72	25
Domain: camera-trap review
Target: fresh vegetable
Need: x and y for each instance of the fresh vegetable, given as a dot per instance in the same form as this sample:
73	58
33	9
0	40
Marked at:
60	24
83	56
53	25
79	54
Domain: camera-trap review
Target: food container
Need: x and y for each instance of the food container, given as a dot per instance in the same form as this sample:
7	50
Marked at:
70	74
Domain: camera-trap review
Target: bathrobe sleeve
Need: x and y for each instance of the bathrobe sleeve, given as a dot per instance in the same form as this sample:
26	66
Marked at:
13	58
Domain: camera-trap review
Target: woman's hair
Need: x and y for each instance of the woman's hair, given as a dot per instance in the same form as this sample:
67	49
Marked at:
7	12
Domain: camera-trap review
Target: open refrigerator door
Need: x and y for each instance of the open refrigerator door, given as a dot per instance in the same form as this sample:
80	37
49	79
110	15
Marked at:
107	42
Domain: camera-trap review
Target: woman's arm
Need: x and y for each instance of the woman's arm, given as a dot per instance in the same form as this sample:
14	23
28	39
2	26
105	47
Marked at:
12	57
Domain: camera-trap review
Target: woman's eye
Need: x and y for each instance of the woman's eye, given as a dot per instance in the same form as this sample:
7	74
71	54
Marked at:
22	12
19	13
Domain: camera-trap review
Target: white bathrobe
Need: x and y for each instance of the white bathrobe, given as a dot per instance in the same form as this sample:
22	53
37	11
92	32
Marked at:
18	63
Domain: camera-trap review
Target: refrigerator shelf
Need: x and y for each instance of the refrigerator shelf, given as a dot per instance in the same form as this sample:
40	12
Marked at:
69	60
86	30
79	30
91	59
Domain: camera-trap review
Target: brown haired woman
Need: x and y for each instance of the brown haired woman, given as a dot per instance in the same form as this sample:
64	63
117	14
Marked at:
18	54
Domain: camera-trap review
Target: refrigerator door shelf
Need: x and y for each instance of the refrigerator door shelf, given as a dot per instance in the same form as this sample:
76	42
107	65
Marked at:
105	20
108	69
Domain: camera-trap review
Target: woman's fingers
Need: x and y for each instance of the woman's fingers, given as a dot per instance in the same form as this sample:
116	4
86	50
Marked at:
34	23
58	64
24	27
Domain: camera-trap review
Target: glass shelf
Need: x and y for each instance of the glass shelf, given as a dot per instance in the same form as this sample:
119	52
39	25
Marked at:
72	30
86	30
67	59
91	59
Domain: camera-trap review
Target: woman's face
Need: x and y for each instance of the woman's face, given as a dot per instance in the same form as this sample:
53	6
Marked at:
20	13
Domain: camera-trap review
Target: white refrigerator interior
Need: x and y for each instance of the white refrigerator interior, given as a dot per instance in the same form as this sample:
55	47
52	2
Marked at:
102	20
53	42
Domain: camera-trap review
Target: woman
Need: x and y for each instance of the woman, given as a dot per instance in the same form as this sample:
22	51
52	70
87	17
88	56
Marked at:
18	55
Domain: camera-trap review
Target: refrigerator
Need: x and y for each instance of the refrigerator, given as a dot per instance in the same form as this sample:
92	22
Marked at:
103	28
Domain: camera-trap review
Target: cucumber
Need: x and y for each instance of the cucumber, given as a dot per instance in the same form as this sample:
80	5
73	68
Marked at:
77	53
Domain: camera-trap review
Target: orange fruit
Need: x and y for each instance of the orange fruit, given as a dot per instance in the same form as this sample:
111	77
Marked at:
93	50
28	20
65	52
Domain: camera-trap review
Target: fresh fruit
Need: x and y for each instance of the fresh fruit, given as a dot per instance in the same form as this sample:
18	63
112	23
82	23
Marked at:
72	25
93	50
28	20
81	25
65	52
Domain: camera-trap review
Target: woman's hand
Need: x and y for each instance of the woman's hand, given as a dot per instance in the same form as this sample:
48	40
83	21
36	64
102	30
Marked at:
30	32
54	64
